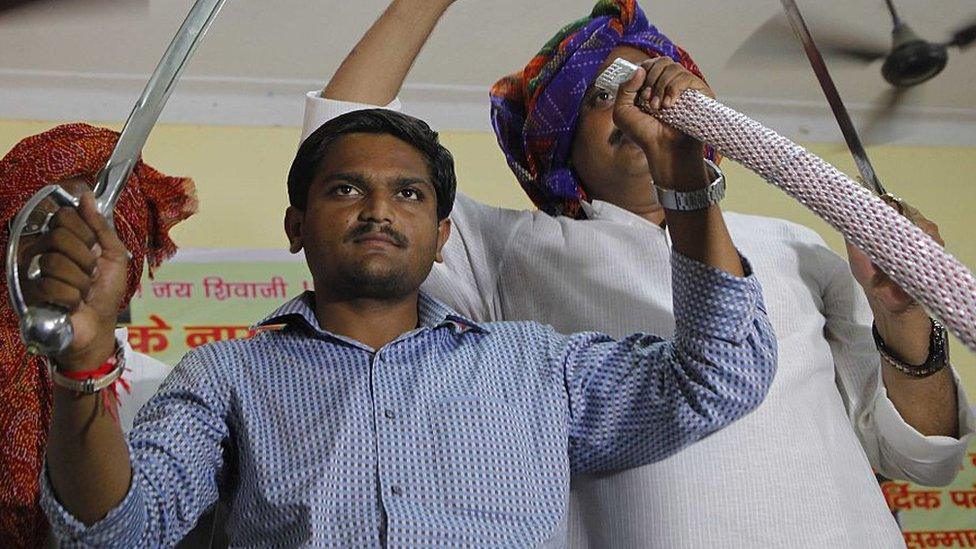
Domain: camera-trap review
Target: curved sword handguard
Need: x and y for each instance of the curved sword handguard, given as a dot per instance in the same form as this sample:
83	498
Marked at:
46	329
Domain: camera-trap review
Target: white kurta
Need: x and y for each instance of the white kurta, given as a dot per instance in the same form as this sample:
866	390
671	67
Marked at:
795	473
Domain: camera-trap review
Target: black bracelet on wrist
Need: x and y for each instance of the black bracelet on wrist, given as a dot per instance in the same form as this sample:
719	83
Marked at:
938	353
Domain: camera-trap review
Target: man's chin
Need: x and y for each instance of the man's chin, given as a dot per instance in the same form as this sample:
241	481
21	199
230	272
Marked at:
629	186
377	264
375	281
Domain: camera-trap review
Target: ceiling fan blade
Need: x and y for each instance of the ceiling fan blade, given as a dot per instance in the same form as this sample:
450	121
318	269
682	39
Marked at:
874	130
964	37
887	104
855	53
774	40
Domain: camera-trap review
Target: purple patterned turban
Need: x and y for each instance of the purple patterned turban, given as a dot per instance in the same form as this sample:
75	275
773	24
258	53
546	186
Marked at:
534	111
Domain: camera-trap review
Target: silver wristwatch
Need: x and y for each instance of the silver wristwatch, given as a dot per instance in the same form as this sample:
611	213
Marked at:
694	200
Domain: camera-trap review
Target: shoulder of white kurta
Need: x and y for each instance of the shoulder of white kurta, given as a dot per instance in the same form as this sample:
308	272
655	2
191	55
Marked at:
772	227
469	209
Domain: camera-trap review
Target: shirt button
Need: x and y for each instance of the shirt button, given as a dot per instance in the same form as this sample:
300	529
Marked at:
397	491
389	414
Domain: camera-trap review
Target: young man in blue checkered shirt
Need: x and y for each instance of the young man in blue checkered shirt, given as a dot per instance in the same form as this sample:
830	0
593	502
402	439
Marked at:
376	416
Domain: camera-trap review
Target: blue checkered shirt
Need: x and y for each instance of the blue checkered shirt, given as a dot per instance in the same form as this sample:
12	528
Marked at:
455	434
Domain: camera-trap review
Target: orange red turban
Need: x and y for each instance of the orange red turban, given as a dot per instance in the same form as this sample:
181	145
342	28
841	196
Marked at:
150	205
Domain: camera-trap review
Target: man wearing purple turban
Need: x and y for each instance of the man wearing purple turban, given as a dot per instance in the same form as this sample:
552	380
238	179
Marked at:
796	473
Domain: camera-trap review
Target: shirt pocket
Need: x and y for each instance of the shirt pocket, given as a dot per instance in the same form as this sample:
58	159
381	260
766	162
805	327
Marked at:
484	457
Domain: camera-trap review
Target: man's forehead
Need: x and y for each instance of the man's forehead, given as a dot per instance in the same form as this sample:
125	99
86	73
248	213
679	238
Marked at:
373	149
374	156
629	53
377	177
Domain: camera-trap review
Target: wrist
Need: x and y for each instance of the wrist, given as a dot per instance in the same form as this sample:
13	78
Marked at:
92	356
906	334
680	170
936	355
95	380
696	199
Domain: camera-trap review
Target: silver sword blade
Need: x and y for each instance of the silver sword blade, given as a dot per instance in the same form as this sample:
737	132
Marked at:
868	175
111	179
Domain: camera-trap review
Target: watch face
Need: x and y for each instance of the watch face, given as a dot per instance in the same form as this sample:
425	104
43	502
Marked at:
939	343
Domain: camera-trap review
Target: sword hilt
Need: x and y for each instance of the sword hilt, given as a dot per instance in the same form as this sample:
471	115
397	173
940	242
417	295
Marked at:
46	329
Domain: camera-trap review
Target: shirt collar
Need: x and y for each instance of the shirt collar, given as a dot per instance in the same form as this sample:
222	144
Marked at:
431	313
434	313
605	211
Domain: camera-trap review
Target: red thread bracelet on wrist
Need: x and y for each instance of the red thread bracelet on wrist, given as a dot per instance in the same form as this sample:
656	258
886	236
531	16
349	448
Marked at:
110	395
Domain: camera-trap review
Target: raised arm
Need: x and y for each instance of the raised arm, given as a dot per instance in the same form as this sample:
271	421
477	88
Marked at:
927	402
642	399
897	443
83	269
177	456
676	161
375	69
99	489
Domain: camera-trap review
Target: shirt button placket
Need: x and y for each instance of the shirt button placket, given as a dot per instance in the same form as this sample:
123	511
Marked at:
384	416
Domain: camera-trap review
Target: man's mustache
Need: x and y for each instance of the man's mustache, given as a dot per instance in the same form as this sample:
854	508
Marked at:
368	228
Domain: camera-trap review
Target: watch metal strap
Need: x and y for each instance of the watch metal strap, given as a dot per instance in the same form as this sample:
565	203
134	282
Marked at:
938	352
694	200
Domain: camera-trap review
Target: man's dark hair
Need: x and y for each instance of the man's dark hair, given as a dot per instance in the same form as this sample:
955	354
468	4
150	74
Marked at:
413	131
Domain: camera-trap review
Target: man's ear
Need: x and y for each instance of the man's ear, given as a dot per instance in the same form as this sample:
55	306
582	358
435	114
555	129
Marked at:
293	228
443	233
